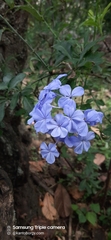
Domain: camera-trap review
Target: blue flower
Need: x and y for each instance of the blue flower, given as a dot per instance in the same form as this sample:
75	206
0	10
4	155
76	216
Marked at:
59	126
46	95
41	117
49	152
68	94
76	120
55	84
92	117
82	143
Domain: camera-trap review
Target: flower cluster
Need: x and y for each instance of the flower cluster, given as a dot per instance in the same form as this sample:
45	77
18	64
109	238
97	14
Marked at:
70	125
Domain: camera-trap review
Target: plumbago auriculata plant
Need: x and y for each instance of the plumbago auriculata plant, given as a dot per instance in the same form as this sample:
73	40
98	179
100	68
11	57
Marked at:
70	127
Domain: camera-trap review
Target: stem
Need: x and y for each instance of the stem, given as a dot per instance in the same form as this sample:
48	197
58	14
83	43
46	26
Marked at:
4	19
42	18
107	185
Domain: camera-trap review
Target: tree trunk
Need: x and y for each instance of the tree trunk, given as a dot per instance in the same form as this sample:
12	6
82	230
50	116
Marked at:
14	156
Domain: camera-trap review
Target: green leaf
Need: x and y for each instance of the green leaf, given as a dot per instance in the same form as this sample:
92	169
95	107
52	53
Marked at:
74	207
10	3
14	100
27	91
27	104
14	81
95	207
32	11
105	11
3	86
2	110
61	48
7	77
91	217
82	217
107	131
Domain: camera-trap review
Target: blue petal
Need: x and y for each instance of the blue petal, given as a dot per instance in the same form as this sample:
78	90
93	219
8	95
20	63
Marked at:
56	132
65	90
43	146
69	141
77	91
65	101
90	136
50	158
64	132
62	75
86	145
79	148
69	110
82	128
30	121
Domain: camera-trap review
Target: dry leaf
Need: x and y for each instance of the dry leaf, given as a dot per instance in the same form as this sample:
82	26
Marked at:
62	201
96	130
74	191
48	208
36	166
99	158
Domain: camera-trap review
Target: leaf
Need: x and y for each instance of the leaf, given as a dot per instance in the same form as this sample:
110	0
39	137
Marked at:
35	167
62	201
105	11
82	217
10	3
48	208
30	9
74	207
96	130
2	110
107	131
99	158
27	104
74	191
3	86
14	100
7	77
95	207
62	50
91	217
14	81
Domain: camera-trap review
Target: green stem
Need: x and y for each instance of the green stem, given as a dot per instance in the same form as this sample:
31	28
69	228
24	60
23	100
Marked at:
4	19
42	18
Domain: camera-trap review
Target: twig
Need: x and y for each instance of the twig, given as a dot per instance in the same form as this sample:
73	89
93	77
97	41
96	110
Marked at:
70	228
107	185
35	178
4	19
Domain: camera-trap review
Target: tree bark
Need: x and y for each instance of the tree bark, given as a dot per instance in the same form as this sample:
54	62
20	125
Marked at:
14	156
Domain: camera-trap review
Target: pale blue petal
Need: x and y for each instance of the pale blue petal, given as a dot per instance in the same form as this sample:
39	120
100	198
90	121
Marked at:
78	115
50	158
86	145
30	121
65	90
65	101
69	110
69	141
43	146
82	129
79	148
64	132
56	132
62	75
77	91
90	136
